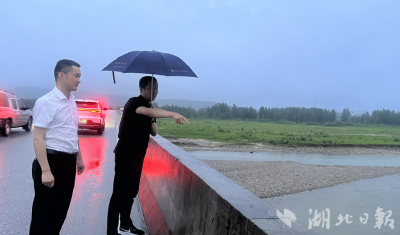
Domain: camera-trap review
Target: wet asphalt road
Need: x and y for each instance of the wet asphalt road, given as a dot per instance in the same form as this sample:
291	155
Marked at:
88	211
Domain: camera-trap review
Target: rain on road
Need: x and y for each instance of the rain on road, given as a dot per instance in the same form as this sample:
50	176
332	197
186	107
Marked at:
88	211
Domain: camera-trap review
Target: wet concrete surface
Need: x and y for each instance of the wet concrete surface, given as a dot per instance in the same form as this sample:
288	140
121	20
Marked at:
88	210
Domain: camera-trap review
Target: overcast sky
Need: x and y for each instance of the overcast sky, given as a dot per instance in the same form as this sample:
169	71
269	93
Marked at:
251	53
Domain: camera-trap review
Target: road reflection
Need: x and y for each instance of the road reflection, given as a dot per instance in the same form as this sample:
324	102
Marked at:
87	214
93	187
93	154
87	185
1	163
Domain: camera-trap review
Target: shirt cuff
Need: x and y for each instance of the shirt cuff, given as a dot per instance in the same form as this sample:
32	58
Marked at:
40	125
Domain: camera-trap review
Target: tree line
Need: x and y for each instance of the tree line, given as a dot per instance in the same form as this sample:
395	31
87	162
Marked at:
384	116
224	111
290	114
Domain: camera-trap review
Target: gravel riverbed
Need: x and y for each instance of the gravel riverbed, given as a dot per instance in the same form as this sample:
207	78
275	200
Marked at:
208	145
278	178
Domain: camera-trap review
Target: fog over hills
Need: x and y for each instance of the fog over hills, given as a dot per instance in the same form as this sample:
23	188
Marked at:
108	100
120	100
186	103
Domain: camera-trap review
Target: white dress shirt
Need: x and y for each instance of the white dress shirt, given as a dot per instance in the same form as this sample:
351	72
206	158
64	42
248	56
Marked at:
59	116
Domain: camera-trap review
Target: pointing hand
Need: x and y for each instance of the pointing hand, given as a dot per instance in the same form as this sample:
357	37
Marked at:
179	119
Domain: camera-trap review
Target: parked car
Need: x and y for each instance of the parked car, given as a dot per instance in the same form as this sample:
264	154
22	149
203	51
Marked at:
91	115
13	113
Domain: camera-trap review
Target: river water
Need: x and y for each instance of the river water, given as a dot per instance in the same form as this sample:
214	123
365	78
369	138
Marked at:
352	200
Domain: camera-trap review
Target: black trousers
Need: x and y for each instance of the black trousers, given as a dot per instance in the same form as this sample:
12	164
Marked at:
50	205
128	169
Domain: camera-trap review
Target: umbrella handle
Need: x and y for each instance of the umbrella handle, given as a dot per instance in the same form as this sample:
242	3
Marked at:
151	97
113	76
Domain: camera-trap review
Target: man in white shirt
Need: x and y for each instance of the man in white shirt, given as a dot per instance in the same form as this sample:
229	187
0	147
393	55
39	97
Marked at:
56	145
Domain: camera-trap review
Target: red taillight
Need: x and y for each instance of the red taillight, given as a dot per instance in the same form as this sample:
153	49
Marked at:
91	110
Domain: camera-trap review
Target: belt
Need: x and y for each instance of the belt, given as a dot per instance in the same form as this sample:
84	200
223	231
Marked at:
52	151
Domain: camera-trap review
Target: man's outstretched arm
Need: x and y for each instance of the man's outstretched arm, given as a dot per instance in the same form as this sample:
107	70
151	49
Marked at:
159	113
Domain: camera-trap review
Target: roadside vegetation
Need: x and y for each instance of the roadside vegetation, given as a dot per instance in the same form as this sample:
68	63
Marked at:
223	111
283	133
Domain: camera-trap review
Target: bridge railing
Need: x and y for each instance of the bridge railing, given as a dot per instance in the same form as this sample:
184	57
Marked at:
180	194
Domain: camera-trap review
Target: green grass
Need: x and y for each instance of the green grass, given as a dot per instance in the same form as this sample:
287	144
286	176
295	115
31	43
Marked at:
288	134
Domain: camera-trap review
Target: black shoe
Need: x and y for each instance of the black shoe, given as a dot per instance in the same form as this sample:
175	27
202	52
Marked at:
131	230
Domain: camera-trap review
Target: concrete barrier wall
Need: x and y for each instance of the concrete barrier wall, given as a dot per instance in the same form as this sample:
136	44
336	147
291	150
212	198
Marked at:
180	194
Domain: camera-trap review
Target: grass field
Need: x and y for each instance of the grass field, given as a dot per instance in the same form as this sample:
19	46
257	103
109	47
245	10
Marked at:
288	134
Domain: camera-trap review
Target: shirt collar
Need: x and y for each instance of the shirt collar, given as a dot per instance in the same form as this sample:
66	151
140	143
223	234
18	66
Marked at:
61	95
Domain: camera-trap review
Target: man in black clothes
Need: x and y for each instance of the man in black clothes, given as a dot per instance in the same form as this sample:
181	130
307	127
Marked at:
137	123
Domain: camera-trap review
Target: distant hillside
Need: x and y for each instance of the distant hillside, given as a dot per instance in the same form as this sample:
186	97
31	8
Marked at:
186	103
29	92
108	100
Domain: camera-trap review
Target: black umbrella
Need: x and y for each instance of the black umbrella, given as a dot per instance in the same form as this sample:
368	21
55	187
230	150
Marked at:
150	62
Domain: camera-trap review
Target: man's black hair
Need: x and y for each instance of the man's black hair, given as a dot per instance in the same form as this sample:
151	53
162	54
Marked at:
146	80
64	66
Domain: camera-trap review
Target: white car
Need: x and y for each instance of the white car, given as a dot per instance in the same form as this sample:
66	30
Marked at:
13	113
91	115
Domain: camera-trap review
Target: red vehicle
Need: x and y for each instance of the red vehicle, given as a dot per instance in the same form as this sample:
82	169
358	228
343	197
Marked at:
91	115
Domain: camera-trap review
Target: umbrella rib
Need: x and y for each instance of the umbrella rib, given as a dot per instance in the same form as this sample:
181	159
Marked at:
132	61
166	71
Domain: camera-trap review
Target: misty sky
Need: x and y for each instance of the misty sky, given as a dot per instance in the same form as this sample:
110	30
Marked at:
251	53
